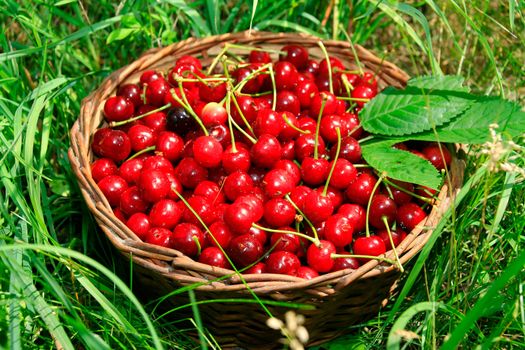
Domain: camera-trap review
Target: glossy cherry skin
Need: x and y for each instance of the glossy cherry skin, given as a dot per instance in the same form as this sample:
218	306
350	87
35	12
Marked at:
141	137
131	201
190	173
334	194
356	214
360	190
291	168
338	230
211	191
328	127
306	272
112	187
295	54
440	157
373	246
219	235
237	184
343	175
314	171
131	92
317	207
381	208
282	262
212	92
305	146
155	92
345	263
289	242
203	207
286	75
112	144
319	257
298	195
287	101
268	121
159	236
266	151
130	170
279	212
330	104
153	185
185	238
398	236
363	92
213	256
233	160
401	197
239	217
148	76
247	106
353	125
335	65
245	250
169	145
157	162
259	56
207	151
165	213
118	108
277	183
409	215
156	121
103	167
139	224
305	91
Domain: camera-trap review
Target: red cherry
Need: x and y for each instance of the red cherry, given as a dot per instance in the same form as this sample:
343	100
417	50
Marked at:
139	224
286	75
131	201
363	92
381	208
291	168
103	167
269	122
165	213
287	101
130	170
251	85
305	91
248	108
219	234
350	150
156	121
409	215
317	207
159	236
372	246
157	162
298	195
202	206
397	237
245	250
187	238
169	145
239	217
149	76
213	114
189	60
258	268
401	197
215	257
279	212
258	234
258	56
330	104
155	91
295	54
207	151
237	184
112	144
175	186
190	173
343	175
235	160
141	137
312	67
356	214
212	92
353	125
328	127
277	183
112	187
282	262
266	151
439	156
131	92
305	145
360	190
307	124
319	257
288	133
345	263
118	108
154	185
335	64
338	230
306	272
211	191
334	194
314	171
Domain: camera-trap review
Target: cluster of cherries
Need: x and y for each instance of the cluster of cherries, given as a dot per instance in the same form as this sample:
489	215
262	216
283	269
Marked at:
258	166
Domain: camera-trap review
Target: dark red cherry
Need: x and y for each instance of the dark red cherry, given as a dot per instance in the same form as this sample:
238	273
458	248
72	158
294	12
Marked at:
259	56
282	262
266	151
131	201
248	110
355	213
148	76
112	187
203	207
298	195
295	54
306	272
353	125
363	93
159	236
269	122
139	224
118	108
190	173
401	197
350	150
360	190
440	157
279	212
305	145
258	268
165	213
335	65
188	239
219	235
373	246
215	257
155	91
287	101
381	208
398	236
338	230
141	137
409	215
277	183
328	127
319	257
131	92
245	250
345	263
154	185
239	217
286	75
103	167
112	144
180	121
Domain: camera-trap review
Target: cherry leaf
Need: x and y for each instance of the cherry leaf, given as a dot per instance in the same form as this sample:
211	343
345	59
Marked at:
444	82
400	165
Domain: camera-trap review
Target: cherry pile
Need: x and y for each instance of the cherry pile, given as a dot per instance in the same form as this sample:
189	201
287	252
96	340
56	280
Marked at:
256	163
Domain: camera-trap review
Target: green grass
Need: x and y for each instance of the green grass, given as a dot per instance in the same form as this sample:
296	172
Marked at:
61	285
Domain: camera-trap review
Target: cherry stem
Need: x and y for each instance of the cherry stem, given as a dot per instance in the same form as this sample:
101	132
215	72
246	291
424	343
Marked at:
376	186
251	48
311	239
347	71
358	99
400	188
253	74
185	104
348	87
199	248
312	227
287	121
318	127
142	151
130	120
217	58
274	88
335	256
362	166
334	161
248	126
230	126
328	63
399	265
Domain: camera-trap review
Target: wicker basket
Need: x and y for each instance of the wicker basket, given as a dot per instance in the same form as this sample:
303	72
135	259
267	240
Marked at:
337	299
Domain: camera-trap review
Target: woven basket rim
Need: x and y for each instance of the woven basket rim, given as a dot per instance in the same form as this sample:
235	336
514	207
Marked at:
175	265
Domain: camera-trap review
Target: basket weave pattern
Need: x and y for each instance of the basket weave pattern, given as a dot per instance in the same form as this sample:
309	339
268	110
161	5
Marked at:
339	299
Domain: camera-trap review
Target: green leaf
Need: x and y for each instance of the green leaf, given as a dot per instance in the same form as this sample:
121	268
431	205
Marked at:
444	82
120	34
400	165
401	112
473	125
